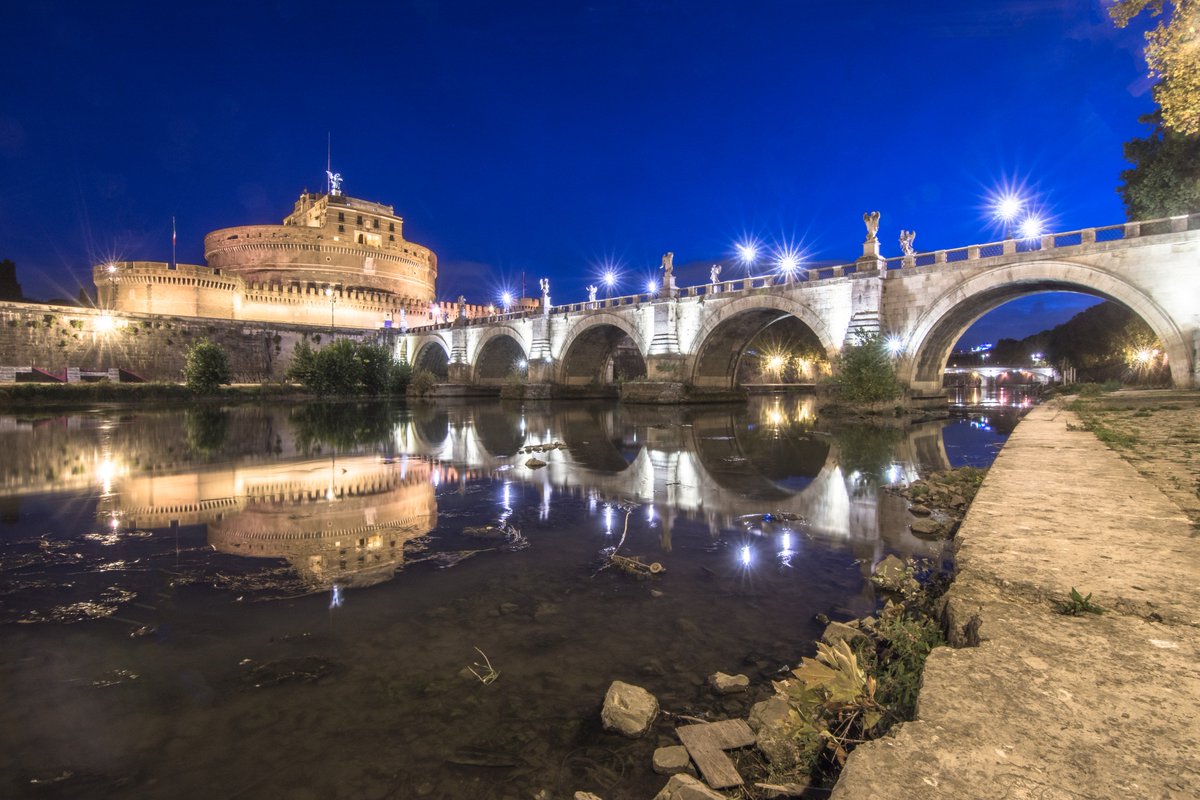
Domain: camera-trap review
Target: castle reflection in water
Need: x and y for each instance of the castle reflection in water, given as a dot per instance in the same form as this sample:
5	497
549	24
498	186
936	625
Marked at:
343	492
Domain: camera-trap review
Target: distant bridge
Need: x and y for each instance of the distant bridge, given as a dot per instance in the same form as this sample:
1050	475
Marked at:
692	338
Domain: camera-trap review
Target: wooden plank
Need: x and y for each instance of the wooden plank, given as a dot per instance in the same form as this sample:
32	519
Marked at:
706	742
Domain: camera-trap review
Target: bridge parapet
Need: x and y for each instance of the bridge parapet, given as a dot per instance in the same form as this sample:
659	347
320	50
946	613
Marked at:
1049	242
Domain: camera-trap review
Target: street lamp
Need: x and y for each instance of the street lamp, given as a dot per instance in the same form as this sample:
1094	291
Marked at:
1008	206
747	253
112	282
609	278
332	300
787	259
1032	226
506	300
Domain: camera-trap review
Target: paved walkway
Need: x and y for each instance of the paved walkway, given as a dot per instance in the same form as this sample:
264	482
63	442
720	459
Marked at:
1051	706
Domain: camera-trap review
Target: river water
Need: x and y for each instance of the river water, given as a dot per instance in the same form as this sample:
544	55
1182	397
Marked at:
284	601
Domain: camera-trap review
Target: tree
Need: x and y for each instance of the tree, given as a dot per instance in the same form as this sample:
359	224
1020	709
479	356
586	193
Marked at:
301	367
345	367
865	373
1165	178
206	367
1173	56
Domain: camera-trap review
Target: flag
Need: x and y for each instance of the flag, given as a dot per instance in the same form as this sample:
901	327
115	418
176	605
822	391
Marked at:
172	231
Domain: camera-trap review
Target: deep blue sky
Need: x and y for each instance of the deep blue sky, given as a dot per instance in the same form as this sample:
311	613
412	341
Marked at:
546	137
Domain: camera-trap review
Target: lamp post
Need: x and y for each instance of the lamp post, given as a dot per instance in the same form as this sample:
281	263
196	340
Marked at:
332	301
610	280
1007	209
112	282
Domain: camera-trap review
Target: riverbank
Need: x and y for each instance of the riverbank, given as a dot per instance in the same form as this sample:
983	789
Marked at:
1049	705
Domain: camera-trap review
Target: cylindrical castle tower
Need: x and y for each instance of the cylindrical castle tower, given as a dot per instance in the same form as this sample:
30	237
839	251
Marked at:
329	240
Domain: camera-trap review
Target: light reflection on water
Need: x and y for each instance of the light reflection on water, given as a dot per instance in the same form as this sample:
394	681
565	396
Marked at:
279	580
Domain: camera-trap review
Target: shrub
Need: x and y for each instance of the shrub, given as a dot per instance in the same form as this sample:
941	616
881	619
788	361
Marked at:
207	367
345	367
300	369
865	373
337	369
422	383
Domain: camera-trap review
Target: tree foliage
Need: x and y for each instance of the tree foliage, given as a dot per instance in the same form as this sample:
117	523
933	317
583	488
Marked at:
206	367
1101	342
1165	178
1173	56
865	373
346	367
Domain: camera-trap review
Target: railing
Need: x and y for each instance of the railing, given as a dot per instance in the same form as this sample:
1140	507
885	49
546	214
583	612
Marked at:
1052	241
974	252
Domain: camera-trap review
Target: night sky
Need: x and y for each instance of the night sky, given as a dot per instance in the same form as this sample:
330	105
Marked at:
551	137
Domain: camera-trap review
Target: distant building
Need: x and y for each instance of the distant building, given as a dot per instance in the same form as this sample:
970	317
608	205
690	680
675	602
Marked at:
335	260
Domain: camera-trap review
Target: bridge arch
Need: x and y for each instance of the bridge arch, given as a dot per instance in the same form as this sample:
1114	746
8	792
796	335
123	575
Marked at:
590	345
933	336
433	356
727	332
498	353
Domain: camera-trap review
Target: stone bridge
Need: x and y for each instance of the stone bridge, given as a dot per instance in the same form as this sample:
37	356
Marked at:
691	339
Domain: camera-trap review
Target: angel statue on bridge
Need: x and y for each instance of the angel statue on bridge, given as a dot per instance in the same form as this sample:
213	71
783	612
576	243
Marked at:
906	242
714	274
667	266
591	290
545	284
871	220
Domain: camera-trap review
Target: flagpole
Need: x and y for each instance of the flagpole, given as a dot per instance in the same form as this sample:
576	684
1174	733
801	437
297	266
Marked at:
174	263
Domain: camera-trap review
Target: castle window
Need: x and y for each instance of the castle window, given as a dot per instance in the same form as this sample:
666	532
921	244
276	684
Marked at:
392	227
391	238
359	219
375	224
341	228
341	216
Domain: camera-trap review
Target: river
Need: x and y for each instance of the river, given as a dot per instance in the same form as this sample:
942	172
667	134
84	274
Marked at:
286	601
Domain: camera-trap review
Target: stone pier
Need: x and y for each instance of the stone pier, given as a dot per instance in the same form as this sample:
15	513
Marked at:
1050	706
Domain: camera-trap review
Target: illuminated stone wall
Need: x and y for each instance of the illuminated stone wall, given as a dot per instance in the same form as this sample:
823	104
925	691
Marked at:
154	347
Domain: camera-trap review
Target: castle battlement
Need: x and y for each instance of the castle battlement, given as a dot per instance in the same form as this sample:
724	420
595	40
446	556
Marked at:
334	260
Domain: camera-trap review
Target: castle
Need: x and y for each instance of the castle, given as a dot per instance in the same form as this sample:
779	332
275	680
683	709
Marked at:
334	261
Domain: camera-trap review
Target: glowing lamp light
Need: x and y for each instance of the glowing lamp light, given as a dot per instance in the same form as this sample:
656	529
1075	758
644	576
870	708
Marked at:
609	278
651	286
1144	356
745	555
894	345
522	363
1032	227
747	252
105	323
506	299
775	363
1008	206
111	268
786	542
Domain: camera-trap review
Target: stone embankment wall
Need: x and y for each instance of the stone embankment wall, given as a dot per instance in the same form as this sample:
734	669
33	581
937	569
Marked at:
1049	705
154	347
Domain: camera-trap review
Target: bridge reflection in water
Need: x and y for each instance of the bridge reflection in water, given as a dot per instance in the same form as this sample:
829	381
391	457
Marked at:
342	508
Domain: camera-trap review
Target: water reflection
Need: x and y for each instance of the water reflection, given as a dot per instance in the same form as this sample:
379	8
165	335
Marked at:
761	514
338	491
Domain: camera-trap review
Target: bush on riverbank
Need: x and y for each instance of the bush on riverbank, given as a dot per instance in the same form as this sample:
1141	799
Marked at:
206	367
864	372
864	680
346	367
